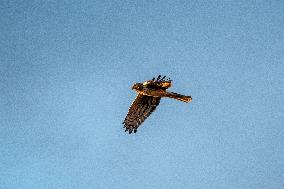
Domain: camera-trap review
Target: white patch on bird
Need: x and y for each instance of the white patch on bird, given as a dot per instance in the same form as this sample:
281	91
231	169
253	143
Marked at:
146	83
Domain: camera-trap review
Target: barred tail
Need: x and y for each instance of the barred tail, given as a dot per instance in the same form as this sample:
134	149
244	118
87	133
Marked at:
179	97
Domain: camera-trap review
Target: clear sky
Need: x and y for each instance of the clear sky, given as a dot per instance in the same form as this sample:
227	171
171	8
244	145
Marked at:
66	68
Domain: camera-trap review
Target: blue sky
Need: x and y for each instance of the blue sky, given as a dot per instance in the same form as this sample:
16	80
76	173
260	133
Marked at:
66	68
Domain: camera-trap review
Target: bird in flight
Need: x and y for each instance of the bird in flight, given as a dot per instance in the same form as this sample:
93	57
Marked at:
149	95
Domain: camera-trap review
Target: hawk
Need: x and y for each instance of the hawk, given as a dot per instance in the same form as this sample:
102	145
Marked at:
149	96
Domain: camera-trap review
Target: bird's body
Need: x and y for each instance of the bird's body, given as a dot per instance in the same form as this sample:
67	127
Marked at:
149	95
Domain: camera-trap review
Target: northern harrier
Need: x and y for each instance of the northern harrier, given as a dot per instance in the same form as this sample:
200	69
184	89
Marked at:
149	95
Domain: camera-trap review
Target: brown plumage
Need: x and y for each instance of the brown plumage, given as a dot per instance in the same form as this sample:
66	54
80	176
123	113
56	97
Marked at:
149	95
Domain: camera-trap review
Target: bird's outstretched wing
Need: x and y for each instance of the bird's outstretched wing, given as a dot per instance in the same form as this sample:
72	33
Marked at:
140	109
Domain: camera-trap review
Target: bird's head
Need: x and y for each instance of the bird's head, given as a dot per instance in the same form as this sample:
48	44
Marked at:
137	86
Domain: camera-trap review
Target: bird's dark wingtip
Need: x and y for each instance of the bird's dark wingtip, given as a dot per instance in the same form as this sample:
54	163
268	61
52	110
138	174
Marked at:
160	78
